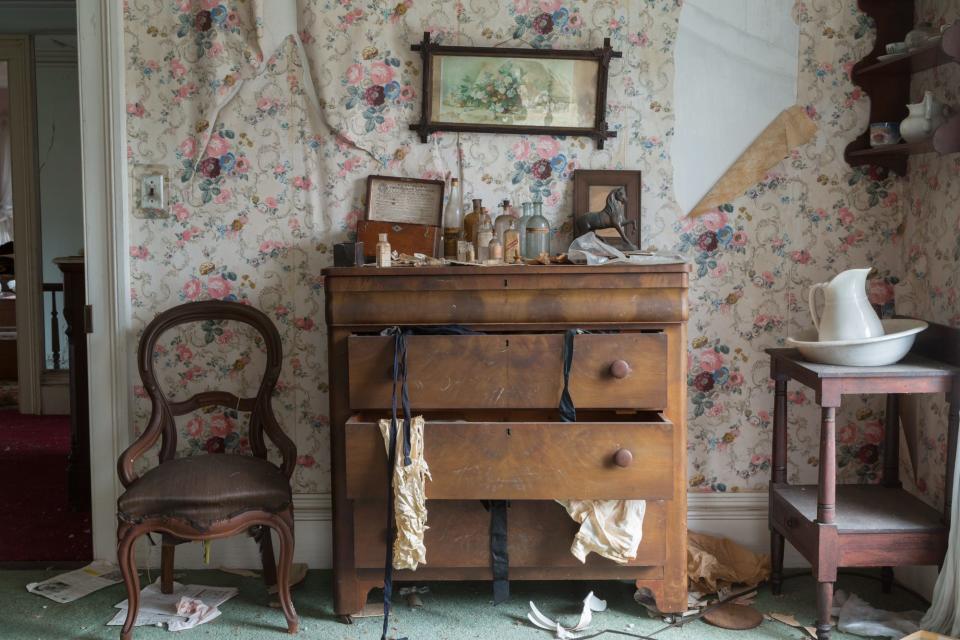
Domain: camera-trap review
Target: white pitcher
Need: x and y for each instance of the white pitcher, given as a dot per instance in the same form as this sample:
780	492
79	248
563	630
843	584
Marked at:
924	119
847	314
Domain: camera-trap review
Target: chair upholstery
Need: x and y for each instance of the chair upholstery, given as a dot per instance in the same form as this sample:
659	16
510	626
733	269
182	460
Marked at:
206	489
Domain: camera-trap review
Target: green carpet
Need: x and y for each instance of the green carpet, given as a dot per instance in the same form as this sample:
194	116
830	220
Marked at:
451	611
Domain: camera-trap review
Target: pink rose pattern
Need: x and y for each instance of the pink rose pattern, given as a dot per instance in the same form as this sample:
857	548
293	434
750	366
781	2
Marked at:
258	227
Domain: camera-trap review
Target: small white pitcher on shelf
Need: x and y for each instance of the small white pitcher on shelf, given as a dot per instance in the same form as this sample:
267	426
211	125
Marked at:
924	119
847	313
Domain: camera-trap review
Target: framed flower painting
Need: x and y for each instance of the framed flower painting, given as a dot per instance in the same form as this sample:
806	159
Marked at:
501	90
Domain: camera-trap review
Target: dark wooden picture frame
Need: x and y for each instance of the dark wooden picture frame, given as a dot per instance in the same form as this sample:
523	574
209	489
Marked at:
598	183
428	217
430	50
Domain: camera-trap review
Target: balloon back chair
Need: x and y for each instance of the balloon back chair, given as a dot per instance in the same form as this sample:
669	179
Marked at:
204	497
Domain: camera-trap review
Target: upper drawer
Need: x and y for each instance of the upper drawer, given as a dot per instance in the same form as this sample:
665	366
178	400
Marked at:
500	371
524	460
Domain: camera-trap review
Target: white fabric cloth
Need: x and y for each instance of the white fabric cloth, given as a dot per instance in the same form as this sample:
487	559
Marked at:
944	614
6	184
409	497
611	528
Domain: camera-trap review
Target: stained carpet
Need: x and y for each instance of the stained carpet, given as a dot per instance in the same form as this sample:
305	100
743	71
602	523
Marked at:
36	522
451	611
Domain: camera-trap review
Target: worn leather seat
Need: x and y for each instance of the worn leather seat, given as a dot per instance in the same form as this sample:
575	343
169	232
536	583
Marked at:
205	489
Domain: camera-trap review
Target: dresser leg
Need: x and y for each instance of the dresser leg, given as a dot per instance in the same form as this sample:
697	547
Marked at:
824	603
776	562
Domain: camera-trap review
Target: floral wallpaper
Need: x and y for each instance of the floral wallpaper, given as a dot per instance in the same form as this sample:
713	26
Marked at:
268	151
930	252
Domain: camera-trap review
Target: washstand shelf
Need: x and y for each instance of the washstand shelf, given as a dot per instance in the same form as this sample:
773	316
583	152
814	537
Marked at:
860	525
887	82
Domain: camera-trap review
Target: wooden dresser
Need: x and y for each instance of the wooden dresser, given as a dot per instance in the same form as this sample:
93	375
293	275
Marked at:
493	430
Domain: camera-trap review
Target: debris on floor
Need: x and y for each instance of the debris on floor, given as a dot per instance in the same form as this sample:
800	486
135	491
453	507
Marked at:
855	616
591	604
188	606
928	635
733	615
245	573
412	595
714	563
73	585
790	621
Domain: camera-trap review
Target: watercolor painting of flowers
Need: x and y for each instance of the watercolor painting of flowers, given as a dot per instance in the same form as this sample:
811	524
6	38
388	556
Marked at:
515	91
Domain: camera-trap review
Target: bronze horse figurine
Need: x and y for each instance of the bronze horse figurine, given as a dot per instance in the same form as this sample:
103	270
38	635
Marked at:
613	216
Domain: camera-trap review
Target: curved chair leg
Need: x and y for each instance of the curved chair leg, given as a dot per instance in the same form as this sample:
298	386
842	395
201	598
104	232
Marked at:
167	555
128	569
285	534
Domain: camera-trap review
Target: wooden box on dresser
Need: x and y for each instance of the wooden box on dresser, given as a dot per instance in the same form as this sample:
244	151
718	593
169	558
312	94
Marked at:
493	431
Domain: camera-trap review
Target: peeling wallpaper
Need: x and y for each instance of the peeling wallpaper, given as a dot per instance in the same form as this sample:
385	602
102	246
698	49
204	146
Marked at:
268	152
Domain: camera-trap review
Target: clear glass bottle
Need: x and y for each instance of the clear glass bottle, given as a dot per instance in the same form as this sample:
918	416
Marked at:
383	251
537	241
522	226
452	220
511	243
503	220
484	236
495	250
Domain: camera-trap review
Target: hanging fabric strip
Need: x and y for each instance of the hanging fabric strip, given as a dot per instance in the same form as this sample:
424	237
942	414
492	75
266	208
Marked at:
399	374
499	558
568	412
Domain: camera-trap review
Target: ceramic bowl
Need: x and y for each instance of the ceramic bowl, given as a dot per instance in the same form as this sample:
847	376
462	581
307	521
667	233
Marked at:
884	133
868	352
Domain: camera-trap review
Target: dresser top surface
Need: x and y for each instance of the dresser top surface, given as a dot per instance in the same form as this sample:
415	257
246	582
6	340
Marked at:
513	270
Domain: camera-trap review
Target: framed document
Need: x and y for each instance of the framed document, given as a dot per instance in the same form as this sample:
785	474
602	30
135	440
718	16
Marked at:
404	200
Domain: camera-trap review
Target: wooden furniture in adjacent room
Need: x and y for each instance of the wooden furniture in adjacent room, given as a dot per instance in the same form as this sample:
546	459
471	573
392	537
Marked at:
8	336
887	83
860	525
74	306
493	430
210	496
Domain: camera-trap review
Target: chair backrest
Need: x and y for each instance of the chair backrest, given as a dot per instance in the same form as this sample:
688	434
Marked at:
163	410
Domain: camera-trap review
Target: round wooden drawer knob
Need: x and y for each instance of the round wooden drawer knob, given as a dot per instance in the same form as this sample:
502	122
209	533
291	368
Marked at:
620	369
623	457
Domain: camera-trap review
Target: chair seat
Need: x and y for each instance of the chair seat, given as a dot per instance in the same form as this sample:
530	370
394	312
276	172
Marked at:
206	489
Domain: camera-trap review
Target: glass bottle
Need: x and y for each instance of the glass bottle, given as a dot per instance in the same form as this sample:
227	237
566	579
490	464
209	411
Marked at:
452	220
522	226
495	249
383	251
471	222
538	234
511	243
503	220
484	236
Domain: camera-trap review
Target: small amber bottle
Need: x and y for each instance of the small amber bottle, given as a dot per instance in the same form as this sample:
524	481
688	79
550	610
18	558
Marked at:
471	222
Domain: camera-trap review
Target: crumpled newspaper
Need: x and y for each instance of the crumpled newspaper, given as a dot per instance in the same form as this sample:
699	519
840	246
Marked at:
714	563
591	250
590	604
409	496
610	528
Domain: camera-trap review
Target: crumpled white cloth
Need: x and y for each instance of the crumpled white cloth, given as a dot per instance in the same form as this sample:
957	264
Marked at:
610	528
409	496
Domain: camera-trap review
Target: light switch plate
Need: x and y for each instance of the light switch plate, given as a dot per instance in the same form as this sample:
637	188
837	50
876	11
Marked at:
153	195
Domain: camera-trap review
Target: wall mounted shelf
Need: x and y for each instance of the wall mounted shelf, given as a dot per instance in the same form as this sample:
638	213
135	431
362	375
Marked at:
887	82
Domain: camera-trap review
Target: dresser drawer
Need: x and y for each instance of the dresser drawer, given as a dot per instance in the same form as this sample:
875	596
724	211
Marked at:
510	371
524	460
539	534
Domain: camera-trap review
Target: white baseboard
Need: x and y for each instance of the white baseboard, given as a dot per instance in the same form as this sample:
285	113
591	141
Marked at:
741	517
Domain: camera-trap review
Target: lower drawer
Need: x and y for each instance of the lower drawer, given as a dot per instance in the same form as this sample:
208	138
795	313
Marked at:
539	534
524	460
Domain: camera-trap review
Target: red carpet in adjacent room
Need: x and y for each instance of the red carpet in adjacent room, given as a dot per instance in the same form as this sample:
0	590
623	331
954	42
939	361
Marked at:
35	521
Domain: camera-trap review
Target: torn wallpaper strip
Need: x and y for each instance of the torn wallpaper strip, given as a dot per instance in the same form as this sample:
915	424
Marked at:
410	499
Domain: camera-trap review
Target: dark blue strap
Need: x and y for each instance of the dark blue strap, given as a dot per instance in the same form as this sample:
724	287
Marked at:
499	558
568	412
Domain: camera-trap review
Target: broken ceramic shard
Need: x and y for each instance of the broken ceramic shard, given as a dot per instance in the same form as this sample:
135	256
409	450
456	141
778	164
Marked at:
591	604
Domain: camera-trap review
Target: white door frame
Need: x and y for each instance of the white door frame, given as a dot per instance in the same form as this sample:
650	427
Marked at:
17	51
103	122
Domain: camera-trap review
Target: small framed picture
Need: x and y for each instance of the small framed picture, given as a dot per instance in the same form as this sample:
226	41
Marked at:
615	197
514	90
404	200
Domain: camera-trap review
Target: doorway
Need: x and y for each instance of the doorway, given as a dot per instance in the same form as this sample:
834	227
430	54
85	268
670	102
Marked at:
44	460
